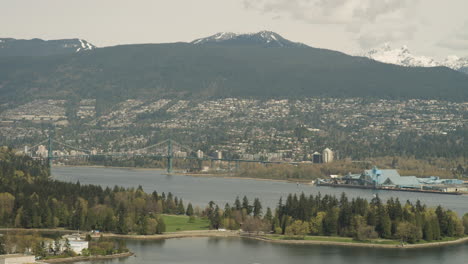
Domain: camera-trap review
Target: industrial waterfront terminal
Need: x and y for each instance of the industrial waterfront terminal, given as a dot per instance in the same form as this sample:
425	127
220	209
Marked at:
390	179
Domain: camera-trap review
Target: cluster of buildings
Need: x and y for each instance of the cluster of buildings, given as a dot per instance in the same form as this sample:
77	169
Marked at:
327	156
376	178
38	111
71	242
42	151
251	129
86	109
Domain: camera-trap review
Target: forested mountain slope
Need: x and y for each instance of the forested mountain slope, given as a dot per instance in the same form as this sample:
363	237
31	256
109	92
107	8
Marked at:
166	70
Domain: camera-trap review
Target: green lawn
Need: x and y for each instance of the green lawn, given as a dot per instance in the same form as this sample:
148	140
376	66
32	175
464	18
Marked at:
176	223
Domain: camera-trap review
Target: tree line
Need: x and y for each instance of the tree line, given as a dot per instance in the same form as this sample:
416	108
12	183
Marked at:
328	215
30	199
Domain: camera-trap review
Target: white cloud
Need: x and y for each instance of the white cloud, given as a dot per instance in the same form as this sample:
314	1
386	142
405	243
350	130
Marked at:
374	36
332	11
458	40
371	22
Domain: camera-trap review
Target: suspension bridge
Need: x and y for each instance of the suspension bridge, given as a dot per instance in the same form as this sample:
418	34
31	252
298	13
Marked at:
167	149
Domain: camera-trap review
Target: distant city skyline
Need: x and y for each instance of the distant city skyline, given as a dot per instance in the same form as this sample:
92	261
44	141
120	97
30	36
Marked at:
431	27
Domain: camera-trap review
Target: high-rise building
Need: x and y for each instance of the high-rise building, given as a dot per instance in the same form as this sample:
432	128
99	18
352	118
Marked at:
219	154
200	154
42	151
327	155
316	157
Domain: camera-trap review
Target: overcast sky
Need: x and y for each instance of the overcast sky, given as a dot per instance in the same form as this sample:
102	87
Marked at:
428	27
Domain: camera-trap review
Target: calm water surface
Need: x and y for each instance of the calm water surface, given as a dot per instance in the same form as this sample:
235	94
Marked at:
244	251
201	190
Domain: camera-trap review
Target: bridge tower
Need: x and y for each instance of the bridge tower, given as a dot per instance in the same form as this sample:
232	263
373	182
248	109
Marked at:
49	151
169	156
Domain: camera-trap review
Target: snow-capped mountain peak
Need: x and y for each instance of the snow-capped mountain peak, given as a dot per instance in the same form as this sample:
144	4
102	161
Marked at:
40	47
404	57
84	45
264	38
455	62
401	56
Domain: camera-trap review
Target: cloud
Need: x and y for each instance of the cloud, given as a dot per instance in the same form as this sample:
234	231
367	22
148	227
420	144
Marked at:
457	40
331	11
373	38
371	22
371	10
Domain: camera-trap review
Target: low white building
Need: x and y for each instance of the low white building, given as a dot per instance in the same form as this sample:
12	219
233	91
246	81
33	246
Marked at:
17	259
77	244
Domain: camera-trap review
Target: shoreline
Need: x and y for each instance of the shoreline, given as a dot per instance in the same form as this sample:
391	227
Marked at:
213	233
204	175
83	258
364	244
237	234
224	176
109	167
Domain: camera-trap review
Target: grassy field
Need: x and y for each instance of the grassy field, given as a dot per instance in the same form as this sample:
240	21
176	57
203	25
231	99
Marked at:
176	223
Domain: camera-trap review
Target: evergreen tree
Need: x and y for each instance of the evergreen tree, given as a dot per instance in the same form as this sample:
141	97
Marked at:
384	225
237	204
276	226
181	209
189	211
344	218
268	216
227	211
215	219
121	225
428	229
330	222
257	208
246	206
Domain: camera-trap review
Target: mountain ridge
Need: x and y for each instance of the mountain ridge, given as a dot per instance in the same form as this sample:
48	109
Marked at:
213	70
185	70
403	57
40	47
263	38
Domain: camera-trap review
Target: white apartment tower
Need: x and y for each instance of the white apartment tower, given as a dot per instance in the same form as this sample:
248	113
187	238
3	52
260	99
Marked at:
327	155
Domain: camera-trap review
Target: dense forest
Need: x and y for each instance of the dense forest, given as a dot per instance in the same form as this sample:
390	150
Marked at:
114	74
29	199
329	216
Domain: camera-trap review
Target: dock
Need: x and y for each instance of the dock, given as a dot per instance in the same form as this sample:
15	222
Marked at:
337	185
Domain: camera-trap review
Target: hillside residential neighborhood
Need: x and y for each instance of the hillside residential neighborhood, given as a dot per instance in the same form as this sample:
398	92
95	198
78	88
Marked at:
243	128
